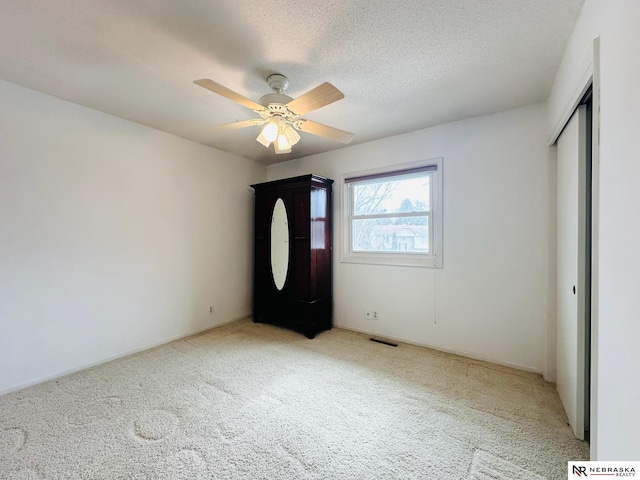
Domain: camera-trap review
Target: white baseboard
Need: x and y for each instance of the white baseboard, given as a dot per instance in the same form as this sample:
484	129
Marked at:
461	353
64	373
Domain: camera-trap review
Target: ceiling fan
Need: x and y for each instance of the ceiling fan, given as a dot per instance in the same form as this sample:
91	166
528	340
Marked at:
281	113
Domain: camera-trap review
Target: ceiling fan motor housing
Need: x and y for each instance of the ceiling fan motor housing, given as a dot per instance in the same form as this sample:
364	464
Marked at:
275	102
274	99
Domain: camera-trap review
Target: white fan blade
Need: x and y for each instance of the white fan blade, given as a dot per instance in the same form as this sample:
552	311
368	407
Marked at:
230	94
314	99
235	125
325	131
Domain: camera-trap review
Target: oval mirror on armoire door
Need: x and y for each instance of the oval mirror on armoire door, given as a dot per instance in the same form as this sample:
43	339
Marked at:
279	244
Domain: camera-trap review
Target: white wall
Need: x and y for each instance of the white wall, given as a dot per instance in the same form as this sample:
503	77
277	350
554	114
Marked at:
576	66
616	363
113	237
619	265
490	299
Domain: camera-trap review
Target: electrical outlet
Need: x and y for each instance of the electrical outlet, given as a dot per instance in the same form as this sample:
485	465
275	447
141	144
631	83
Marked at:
370	315
211	309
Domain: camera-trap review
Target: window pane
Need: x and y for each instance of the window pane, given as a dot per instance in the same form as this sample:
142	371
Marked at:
408	234
402	194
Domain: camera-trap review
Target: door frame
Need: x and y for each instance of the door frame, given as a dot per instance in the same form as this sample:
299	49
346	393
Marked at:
588	75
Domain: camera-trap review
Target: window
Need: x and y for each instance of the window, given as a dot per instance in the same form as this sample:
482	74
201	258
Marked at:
393	217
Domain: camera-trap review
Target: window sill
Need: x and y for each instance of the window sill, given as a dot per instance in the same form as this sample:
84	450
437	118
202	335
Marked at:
398	260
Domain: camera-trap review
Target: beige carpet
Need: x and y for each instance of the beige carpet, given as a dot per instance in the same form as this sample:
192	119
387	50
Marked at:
249	401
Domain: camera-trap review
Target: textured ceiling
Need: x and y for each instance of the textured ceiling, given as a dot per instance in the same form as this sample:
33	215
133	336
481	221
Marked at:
403	65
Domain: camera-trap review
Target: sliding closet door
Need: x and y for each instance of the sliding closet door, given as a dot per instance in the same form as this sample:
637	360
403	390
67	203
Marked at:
571	281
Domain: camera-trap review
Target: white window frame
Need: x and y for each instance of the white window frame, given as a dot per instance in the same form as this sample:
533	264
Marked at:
413	259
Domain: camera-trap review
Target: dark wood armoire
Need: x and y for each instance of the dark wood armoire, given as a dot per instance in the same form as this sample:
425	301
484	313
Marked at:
292	254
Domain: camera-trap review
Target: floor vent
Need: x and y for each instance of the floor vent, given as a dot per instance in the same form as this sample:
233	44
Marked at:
384	342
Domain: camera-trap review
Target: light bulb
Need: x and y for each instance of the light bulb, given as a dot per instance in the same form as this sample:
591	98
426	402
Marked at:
260	138
282	142
282	146
270	131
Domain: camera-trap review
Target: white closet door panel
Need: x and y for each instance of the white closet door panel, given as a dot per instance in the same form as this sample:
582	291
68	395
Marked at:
570	375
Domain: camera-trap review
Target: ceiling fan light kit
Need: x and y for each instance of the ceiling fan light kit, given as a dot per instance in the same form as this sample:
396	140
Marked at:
279	130
281	113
